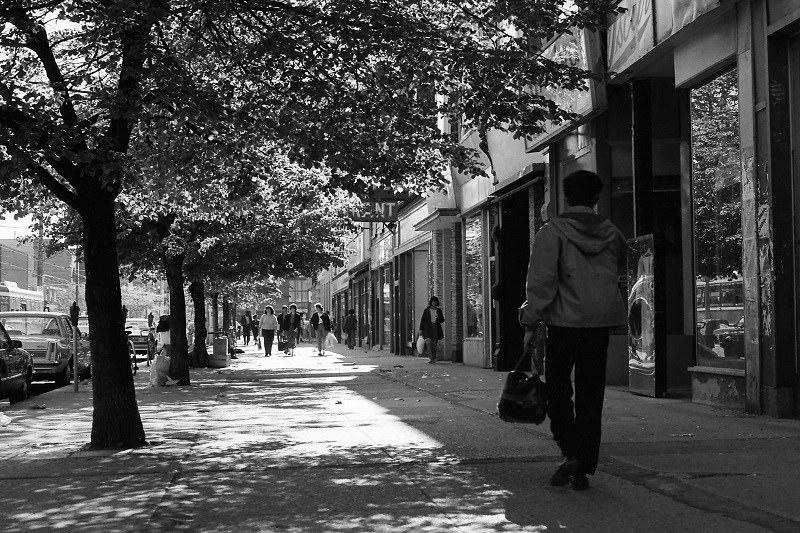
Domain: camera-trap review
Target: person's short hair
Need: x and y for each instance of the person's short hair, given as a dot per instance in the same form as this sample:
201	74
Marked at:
270	309
582	188
318	306
434	299
293	307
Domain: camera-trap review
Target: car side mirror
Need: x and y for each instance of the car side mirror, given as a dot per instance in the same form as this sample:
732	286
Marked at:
16	343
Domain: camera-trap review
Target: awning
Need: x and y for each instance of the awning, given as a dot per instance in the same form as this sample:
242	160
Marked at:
442	218
363	266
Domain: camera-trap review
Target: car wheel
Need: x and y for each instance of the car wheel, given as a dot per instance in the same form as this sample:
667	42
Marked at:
64	377
23	392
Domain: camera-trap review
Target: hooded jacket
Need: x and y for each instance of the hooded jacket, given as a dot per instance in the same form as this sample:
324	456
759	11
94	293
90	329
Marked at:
574	272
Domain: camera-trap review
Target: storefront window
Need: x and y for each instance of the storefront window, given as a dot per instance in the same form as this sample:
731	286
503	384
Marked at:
387	307
717	189
473	251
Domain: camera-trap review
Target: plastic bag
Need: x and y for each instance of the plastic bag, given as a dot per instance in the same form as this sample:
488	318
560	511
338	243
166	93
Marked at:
420	344
159	371
330	340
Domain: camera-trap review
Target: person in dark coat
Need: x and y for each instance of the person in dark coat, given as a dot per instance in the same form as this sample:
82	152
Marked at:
321	323
430	327
574	311
247	326
350	326
283	313
291	322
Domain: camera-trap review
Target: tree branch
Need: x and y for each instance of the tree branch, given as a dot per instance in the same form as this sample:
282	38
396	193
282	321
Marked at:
56	187
38	42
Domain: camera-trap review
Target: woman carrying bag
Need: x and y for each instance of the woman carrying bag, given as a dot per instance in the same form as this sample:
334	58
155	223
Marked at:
430	327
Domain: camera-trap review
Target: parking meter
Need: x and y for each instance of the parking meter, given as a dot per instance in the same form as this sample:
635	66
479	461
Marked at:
74	313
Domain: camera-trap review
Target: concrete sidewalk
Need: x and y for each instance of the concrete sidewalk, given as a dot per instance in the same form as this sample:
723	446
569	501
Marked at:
365	441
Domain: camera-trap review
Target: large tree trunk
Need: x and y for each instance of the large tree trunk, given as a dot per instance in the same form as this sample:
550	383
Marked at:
115	419
215	312
226	314
199	353
179	349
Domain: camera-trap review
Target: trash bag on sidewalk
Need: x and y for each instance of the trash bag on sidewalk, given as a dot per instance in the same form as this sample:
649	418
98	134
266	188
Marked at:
330	340
159	371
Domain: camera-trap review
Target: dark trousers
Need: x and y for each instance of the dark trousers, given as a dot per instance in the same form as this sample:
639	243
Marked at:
576	427
269	336
246	334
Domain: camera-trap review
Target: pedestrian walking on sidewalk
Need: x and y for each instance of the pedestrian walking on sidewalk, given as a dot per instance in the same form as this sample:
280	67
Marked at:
268	324
257	329
430	327
247	326
321	323
299	331
291	321
573	298
280	317
350	326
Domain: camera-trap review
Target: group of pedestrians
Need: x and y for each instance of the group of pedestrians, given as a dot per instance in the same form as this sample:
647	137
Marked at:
286	328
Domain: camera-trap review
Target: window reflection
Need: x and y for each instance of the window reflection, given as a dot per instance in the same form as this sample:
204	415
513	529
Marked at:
716	185
474	276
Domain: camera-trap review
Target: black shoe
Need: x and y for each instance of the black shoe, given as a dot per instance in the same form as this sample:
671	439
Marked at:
579	481
567	468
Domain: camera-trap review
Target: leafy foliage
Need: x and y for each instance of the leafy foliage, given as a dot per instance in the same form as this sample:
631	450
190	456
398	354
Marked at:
716	172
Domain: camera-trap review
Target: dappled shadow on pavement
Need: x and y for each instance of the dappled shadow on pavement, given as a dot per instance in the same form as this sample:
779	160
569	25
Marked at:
295	444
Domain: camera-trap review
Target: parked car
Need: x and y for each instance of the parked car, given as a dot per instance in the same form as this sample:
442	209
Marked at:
16	368
142	335
47	336
731	338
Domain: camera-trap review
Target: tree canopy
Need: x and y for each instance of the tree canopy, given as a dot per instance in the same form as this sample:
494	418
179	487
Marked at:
95	93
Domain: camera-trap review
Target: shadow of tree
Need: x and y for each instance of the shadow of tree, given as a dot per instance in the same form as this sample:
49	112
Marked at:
315	448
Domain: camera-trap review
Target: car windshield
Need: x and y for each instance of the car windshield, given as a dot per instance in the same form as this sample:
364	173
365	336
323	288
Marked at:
37	326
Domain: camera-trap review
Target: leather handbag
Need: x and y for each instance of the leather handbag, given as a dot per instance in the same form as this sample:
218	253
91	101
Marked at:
524	396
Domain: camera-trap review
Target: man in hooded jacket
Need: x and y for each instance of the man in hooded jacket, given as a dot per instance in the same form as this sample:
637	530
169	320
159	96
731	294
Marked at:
573	290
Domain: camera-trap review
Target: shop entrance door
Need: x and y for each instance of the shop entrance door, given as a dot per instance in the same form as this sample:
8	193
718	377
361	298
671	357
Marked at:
794	85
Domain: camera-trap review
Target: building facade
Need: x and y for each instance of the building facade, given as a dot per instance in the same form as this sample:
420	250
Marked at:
695	133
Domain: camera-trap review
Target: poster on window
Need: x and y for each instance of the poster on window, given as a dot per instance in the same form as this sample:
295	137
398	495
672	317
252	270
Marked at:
646	372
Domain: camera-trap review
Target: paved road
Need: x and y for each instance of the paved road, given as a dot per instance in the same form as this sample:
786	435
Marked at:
368	442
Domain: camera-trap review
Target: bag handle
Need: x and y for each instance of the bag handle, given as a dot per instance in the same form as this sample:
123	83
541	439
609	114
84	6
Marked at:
527	352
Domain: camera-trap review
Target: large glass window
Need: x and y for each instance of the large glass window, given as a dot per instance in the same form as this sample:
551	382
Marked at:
387	306
473	252
717	189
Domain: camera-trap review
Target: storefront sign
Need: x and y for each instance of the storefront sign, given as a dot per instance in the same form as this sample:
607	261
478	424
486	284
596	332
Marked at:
375	211
630	36
569	49
672	15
